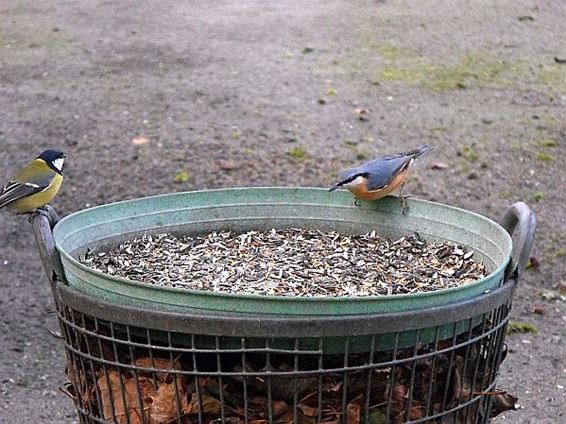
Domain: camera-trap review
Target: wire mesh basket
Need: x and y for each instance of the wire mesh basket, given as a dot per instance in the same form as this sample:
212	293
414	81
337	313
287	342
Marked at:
122	369
133	365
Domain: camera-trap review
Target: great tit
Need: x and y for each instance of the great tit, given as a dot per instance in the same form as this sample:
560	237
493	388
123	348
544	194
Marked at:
36	184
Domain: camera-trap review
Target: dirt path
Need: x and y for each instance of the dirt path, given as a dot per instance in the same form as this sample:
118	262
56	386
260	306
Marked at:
270	89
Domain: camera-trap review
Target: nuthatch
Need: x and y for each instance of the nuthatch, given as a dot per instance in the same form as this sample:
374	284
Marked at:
34	185
378	178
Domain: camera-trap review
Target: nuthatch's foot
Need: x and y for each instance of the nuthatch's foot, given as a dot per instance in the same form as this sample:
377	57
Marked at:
357	202
404	205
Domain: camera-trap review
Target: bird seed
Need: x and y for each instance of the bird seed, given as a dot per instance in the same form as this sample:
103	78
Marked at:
290	262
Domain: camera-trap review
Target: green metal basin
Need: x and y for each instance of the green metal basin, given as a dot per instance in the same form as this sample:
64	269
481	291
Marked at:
244	209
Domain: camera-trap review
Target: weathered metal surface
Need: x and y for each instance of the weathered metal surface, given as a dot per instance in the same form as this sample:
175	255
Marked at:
519	221
265	208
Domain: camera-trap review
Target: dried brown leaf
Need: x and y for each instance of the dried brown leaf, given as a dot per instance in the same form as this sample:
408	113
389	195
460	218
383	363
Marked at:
399	393
457	382
279	408
228	165
533	263
309	411
140	140
117	401
144	399
439	166
353	413
159	363
210	405
336	387
503	401
416	413
258	400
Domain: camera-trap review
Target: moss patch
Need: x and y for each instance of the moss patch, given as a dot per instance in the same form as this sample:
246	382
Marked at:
393	73
544	157
386	51
538	196
298	153
331	91
362	155
521	327
35	47
548	142
553	76
182	177
474	70
469	154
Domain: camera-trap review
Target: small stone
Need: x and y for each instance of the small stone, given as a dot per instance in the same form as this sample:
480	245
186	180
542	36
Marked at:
473	175
539	310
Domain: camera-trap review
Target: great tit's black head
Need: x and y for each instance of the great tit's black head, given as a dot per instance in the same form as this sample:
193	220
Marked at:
54	159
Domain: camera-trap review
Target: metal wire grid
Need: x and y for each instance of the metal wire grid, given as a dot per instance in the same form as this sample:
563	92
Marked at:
110	364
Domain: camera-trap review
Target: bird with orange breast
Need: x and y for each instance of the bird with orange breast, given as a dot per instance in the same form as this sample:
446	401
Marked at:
379	177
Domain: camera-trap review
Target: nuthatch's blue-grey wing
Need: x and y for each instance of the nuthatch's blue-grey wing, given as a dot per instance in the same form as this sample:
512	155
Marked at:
20	186
380	172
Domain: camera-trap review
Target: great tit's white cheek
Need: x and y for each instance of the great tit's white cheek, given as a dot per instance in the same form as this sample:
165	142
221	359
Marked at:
58	163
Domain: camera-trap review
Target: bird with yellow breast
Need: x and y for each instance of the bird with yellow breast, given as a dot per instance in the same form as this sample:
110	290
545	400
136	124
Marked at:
35	185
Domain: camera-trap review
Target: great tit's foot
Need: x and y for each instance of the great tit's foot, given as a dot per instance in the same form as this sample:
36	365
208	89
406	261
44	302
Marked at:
38	211
48	212
357	202
54	216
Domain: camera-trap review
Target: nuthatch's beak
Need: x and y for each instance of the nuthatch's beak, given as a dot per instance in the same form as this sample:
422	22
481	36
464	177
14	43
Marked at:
334	187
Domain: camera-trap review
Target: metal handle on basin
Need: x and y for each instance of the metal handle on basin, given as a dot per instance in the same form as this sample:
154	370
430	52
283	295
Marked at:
520	222
42	224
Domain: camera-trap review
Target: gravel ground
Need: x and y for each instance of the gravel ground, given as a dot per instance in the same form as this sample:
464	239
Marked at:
265	93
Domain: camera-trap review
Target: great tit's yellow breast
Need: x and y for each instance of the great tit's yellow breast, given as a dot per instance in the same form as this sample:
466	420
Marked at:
37	200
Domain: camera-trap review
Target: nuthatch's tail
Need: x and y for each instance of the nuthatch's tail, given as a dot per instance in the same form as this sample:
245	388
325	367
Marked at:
336	186
419	151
